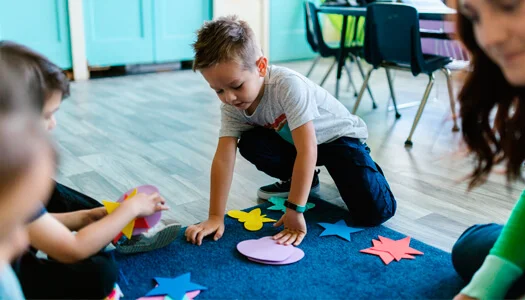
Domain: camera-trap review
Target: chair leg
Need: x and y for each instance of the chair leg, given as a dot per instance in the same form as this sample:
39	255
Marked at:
455	128
328	73
316	60
391	86
362	91
408	142
360	67
348	70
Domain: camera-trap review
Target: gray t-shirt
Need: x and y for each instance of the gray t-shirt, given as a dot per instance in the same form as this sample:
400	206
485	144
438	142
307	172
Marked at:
291	100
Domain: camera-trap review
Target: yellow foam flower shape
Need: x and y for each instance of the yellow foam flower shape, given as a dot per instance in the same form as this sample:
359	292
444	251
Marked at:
252	220
111	206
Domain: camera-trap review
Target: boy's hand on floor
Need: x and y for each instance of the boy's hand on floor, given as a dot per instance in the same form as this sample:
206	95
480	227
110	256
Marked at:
145	205
195	233
294	228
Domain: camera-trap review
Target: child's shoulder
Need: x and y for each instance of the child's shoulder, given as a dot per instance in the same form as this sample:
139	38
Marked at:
284	78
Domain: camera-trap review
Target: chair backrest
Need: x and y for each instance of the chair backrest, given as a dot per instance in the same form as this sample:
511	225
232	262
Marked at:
392	35
312	13
310	33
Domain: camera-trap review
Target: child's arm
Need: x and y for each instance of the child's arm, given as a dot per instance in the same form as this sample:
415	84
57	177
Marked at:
506	261
305	142
52	237
221	179
79	219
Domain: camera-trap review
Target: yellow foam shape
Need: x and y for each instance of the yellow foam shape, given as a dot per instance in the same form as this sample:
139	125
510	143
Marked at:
132	194
252	220
110	207
128	230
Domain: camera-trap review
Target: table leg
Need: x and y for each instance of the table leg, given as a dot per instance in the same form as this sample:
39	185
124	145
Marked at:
342	55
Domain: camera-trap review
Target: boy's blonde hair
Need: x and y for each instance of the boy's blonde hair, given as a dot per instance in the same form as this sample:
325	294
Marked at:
225	39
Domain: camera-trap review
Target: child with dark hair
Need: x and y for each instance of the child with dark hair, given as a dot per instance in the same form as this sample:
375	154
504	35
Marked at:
77	268
27	162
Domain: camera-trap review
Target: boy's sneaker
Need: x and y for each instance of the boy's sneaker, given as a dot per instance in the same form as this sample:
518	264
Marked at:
157	237
282	188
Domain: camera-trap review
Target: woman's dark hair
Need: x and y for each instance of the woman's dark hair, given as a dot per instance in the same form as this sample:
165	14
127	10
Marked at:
484	90
38	72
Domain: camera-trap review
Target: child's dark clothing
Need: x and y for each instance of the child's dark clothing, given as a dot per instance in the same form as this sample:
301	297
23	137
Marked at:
92	278
290	100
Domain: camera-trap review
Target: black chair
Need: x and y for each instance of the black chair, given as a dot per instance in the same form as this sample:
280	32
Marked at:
393	41
315	39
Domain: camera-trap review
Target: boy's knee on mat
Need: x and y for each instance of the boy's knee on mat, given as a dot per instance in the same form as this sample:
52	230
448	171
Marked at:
379	209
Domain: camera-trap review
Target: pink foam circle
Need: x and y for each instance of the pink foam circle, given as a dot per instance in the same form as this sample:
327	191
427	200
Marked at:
154	218
193	294
296	256
265	249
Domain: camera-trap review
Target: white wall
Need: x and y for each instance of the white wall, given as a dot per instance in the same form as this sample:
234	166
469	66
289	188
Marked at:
255	12
78	42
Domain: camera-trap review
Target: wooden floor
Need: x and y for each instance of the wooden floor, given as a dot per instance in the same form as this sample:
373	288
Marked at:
162	129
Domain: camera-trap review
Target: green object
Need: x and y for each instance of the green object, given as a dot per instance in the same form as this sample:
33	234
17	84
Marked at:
511	243
337	22
278	204
493	279
506	261
296	207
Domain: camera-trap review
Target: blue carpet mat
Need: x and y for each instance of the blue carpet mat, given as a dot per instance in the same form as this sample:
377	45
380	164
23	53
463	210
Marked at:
332	267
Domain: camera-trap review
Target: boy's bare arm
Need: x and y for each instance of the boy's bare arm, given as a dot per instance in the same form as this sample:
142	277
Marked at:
221	179
79	219
222	174
52	237
294	223
306	145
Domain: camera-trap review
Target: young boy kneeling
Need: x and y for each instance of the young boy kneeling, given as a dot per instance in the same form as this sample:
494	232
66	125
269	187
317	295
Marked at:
285	125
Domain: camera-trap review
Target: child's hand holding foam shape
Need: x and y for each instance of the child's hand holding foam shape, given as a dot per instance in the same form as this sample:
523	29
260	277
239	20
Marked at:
145	205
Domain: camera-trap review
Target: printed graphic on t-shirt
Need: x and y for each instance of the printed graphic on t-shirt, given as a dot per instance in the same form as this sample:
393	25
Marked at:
278	124
291	100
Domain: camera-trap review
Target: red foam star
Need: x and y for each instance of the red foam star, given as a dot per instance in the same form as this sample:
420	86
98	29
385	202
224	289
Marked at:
141	223
117	238
388	249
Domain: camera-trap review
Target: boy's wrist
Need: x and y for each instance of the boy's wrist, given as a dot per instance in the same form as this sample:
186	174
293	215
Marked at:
294	207
293	212
132	206
216	217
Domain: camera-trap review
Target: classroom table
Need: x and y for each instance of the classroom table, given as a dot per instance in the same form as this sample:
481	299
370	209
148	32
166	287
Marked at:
435	13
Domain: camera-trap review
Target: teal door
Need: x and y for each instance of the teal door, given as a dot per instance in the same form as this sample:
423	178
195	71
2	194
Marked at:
176	22
42	25
288	31
118	32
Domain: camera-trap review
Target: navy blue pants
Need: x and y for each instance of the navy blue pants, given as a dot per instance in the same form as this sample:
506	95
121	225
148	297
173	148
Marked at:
92	278
358	178
469	252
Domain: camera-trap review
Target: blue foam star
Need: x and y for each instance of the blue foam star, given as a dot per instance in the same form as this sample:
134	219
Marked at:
175	288
340	229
